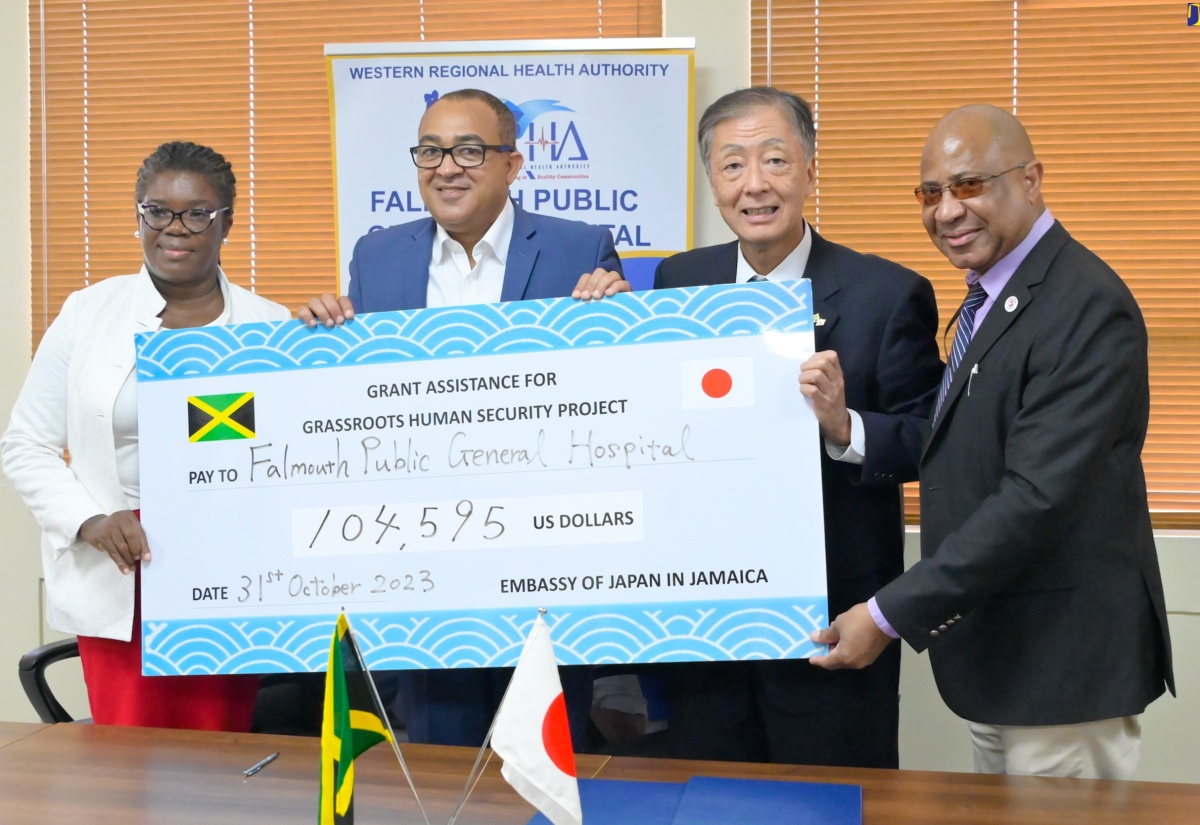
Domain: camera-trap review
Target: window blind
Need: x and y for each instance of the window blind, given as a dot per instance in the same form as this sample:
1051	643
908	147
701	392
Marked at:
1109	95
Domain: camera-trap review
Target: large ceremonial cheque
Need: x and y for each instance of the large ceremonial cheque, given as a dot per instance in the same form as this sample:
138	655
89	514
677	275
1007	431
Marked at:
645	467
605	127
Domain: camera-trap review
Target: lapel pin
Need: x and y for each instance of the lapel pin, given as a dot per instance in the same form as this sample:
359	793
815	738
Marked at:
1011	303
818	320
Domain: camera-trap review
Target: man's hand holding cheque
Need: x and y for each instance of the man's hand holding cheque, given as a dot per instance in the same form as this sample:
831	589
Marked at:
854	640
823	384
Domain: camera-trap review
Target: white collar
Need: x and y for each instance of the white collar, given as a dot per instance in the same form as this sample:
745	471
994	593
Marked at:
789	268
496	238
149	302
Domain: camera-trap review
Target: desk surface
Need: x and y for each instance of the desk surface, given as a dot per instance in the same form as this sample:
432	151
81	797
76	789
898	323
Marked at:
931	798
144	776
51	774
12	731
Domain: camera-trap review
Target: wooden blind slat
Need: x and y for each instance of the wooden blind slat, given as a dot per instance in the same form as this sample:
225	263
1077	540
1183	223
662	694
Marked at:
158	70
1108	93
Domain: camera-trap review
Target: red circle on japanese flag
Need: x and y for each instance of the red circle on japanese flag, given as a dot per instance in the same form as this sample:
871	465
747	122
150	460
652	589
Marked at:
556	736
716	383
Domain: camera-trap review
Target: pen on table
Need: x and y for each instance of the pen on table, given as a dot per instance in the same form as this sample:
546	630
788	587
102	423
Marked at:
258	766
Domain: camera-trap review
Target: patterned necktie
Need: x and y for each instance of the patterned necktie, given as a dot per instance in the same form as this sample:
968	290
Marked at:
756	278
976	295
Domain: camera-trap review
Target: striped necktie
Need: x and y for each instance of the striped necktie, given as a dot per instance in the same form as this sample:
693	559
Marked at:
976	295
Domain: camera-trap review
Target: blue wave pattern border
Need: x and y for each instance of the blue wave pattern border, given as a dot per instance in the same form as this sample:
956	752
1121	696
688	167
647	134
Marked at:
650	632
695	313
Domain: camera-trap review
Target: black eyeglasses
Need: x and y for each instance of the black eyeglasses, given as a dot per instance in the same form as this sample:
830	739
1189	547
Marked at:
466	155
962	189
194	220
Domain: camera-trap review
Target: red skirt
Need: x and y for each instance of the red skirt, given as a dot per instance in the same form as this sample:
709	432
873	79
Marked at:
120	695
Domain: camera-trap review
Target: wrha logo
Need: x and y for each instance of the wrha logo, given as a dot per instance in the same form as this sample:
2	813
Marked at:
554	142
547	139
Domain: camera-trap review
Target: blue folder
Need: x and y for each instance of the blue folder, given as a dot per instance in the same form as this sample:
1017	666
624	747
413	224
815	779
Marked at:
707	800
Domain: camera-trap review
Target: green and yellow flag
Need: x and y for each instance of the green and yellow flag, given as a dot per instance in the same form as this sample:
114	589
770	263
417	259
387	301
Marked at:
352	723
220	417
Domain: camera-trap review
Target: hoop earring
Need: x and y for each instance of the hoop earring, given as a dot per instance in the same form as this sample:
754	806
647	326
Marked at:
137	233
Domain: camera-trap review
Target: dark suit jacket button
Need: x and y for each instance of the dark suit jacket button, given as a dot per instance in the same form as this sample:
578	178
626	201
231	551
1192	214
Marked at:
933	633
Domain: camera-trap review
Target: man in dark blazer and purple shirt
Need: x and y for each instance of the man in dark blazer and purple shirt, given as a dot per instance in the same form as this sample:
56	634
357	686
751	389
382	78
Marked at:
1038	593
872	385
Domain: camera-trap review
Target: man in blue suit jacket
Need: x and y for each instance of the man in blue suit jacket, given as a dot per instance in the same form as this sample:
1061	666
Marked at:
477	247
390	267
872	384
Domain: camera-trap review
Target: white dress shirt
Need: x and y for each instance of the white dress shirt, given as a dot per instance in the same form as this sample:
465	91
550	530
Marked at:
790	268
452	279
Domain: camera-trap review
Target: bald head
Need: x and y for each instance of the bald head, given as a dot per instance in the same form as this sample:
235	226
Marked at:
981	142
986	124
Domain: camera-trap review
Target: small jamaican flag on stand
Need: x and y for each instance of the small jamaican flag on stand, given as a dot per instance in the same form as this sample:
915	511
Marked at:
353	722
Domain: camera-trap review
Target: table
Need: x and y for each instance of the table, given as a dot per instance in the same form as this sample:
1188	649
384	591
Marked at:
82	773
73	773
935	798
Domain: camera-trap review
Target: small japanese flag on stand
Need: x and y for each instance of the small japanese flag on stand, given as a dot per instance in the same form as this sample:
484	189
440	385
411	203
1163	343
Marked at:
532	736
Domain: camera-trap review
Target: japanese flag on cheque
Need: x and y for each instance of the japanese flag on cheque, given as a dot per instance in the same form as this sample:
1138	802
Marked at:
532	735
713	383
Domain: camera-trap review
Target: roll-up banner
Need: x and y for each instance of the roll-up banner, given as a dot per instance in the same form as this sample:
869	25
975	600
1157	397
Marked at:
605	127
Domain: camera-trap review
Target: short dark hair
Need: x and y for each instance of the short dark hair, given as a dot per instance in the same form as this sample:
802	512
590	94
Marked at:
182	156
738	104
504	116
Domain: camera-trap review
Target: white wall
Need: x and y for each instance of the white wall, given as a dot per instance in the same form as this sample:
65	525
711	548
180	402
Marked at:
20	586
931	738
722	32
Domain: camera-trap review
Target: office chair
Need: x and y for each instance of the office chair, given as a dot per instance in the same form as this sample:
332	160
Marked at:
32	670
287	704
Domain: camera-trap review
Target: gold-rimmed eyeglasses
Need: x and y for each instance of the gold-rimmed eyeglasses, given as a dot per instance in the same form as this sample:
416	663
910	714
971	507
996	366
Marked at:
964	188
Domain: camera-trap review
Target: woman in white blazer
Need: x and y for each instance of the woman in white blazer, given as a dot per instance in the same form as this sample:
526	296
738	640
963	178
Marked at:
81	397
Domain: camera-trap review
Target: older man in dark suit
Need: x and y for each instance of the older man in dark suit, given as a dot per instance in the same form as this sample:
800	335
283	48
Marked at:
1038	594
872	384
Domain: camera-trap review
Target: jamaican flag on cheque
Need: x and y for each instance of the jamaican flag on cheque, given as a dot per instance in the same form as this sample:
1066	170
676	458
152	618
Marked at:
220	417
352	723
